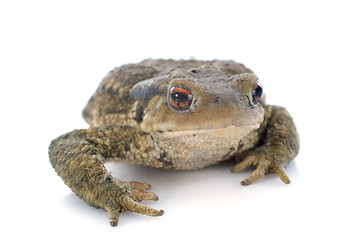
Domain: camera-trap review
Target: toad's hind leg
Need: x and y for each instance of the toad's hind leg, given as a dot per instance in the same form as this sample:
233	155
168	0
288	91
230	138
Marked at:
279	146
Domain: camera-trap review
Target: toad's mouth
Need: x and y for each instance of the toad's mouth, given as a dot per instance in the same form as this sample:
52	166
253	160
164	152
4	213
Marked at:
225	132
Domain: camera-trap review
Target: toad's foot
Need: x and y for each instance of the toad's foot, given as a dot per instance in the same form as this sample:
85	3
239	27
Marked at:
267	160
280	144
125	197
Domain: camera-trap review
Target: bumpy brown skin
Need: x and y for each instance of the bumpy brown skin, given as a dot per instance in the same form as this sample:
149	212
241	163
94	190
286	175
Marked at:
78	158
124	119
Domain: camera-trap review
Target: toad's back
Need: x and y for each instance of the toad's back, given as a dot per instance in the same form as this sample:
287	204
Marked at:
113	94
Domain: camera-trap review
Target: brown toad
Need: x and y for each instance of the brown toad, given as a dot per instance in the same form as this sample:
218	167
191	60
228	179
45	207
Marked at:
171	114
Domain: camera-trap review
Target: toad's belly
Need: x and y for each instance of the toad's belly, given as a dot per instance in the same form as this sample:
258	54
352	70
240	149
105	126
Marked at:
197	149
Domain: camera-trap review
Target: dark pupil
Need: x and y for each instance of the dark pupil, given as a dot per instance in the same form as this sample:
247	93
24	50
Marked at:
258	91
179	97
257	94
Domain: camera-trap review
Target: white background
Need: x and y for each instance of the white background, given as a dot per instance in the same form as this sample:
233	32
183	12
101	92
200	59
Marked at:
53	55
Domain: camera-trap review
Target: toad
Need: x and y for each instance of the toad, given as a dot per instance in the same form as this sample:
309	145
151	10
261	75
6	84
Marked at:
179	115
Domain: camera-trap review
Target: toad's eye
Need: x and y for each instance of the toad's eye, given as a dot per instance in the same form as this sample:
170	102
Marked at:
257	93
180	98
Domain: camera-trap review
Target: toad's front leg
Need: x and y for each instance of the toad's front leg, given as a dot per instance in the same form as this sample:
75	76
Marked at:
78	158
279	145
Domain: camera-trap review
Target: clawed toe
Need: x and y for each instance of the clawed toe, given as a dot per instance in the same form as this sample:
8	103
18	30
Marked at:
113	217
140	208
142	195
138	190
261	170
264	164
130	193
281	173
243	164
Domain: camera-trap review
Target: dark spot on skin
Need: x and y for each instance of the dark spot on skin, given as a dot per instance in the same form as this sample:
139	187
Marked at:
114	110
162	159
217	100
137	146
194	71
194	135
105	155
106	181
163	155
139	114
127	148
144	94
110	91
